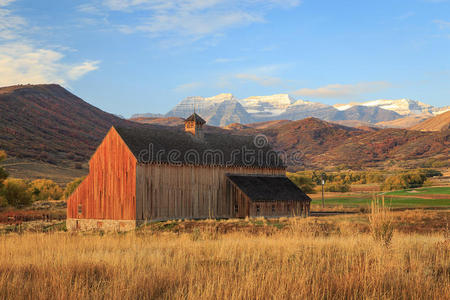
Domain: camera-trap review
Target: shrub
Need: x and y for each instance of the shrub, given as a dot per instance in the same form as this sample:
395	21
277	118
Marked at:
3	173
16	192
337	187
45	189
380	219
3	155
306	184
406	180
431	172
395	182
71	186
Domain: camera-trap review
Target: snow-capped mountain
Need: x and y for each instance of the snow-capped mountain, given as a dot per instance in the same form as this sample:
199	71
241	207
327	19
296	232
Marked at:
267	106
219	110
403	106
224	109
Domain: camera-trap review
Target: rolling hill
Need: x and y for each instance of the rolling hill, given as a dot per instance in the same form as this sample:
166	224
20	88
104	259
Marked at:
46	124
50	124
438	123
405	122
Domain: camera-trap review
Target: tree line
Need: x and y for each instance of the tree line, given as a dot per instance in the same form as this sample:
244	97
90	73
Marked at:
17	192
341	181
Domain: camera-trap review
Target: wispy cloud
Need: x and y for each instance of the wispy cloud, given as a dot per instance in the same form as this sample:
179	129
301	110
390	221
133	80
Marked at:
187	19
342	91
405	16
188	87
442	24
10	24
21	61
261	80
223	60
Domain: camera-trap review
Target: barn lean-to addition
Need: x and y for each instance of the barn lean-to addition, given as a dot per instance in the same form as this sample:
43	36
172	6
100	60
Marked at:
151	173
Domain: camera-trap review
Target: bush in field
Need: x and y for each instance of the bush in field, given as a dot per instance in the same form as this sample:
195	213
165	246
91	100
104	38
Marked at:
405	180
337	187
45	189
395	182
3	173
71	186
381	222
16	192
431	172
305	183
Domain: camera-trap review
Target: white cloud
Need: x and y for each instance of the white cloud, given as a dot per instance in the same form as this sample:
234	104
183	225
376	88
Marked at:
223	60
187	87
342	91
21	61
5	2
10	24
190	19
76	72
261	80
442	24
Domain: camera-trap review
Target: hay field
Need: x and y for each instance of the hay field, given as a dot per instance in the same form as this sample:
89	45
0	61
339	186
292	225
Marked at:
301	260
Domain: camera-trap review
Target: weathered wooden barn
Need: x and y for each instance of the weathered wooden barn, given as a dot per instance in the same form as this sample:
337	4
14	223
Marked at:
142	174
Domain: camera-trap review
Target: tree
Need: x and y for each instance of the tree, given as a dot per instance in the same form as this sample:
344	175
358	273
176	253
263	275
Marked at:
3	173
71	186
45	189
337	188
16	192
306	184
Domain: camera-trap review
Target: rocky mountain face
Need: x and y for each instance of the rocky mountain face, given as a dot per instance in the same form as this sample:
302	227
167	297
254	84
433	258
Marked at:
225	109
403	106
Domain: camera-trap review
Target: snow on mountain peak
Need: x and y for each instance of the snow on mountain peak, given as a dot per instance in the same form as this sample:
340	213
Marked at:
221	97
402	106
277	100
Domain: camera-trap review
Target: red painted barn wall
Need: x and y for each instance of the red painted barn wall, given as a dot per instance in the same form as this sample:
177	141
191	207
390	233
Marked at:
109	191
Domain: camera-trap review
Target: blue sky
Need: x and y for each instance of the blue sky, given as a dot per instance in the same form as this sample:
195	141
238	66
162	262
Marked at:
130	56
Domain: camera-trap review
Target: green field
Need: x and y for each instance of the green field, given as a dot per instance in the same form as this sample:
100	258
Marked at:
397	199
422	191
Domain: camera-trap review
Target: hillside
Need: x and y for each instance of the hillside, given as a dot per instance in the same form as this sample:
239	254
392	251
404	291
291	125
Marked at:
48	123
45	125
405	122
323	144
438	123
167	121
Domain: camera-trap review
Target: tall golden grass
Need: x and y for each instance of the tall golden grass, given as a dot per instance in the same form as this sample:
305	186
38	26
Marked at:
299	263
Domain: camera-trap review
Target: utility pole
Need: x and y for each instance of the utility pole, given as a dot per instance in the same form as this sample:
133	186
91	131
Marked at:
323	183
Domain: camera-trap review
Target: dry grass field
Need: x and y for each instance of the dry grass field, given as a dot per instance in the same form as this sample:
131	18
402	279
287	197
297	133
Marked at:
315	258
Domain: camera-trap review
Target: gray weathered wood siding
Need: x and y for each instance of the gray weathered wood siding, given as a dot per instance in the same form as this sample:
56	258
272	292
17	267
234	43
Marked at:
166	191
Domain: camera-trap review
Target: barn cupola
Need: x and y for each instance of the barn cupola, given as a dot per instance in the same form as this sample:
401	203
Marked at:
194	125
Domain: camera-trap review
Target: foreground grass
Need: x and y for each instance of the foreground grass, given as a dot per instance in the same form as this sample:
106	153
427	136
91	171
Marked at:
297	262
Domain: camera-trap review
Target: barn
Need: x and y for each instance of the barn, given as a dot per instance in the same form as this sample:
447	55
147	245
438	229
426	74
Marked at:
153	173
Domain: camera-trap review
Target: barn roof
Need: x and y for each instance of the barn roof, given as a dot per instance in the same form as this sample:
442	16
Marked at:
159	144
268	188
196	118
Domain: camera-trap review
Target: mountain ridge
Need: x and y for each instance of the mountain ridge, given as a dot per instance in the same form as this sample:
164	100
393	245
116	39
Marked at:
47	123
217	109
